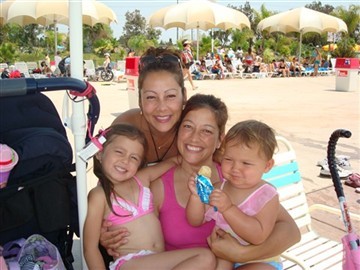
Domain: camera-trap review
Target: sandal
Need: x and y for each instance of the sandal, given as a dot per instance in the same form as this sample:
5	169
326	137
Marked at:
325	171
353	180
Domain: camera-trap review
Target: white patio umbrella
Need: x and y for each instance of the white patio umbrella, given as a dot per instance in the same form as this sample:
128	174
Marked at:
46	12
302	20
198	14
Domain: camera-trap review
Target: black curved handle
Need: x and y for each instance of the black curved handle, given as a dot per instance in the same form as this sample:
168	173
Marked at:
331	159
24	86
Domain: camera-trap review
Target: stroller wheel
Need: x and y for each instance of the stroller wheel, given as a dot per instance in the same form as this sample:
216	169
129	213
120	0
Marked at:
107	75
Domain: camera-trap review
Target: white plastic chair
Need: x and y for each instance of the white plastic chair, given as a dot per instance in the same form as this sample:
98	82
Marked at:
313	251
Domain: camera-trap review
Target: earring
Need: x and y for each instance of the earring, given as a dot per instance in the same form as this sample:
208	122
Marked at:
140	112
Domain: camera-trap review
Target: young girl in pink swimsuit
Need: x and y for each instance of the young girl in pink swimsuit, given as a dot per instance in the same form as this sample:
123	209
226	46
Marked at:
124	198
243	204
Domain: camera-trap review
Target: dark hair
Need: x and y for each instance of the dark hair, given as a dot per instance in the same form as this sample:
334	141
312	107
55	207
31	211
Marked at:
216	105
251	132
129	131
156	66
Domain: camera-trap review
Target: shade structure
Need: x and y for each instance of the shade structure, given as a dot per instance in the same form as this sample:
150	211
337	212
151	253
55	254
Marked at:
199	14
44	12
302	20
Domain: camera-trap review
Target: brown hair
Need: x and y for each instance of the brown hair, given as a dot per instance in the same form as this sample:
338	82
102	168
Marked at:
216	106
129	131
173	68
252	132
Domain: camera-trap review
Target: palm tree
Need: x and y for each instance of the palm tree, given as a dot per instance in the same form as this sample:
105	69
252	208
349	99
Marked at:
258	16
351	18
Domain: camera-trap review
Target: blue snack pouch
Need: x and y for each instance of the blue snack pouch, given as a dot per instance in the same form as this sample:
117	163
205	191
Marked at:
203	184
204	188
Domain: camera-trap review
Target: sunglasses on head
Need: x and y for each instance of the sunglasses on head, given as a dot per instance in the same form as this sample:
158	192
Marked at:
166	58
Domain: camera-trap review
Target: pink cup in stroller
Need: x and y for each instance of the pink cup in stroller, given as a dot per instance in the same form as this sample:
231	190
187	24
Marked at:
8	159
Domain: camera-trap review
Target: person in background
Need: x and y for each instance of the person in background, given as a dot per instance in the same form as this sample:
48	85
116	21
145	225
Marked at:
324	64
57	59
239	53
131	53
107	61
228	64
306	62
218	69
273	67
188	60
45	69
196	71
242	204
249	61
295	67
283	68
47	59
231	53
317	60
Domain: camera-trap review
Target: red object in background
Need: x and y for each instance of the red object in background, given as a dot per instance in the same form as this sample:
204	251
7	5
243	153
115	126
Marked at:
132	66
348	63
15	74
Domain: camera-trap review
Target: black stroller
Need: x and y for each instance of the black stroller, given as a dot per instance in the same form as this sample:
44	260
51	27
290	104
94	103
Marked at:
40	196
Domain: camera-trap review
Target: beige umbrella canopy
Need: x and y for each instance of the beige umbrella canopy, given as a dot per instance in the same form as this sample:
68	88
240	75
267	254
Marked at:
199	14
47	12
302	20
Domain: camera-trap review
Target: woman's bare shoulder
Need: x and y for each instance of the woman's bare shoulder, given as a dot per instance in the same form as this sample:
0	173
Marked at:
131	116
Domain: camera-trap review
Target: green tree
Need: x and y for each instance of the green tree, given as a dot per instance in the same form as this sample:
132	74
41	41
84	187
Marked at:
258	16
7	52
317	6
96	32
135	25
345	48
352	19
140	44
249	12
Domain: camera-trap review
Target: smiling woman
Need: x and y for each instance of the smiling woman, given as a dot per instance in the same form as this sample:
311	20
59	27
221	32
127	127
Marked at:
162	95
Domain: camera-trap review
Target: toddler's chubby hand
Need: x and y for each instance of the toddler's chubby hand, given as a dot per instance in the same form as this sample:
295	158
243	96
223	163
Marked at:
220	200
192	184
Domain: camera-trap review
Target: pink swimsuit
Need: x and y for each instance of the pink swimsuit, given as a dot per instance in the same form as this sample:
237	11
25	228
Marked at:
178	233
250	206
129	211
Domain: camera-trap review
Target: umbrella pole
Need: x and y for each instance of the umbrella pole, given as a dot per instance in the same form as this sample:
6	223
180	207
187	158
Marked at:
197	43
55	36
300	47
78	121
212	40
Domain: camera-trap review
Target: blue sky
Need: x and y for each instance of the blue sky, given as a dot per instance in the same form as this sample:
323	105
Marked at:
147	7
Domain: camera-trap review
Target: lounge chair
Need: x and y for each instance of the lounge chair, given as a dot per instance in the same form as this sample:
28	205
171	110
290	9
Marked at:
23	68
313	251
90	71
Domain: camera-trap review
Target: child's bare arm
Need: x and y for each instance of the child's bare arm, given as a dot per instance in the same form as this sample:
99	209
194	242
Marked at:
92	226
195	209
253	229
151	173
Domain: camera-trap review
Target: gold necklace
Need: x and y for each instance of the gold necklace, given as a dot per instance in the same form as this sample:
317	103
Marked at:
161	146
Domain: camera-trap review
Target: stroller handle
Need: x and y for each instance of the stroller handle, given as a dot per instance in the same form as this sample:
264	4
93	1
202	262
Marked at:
24	86
331	159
